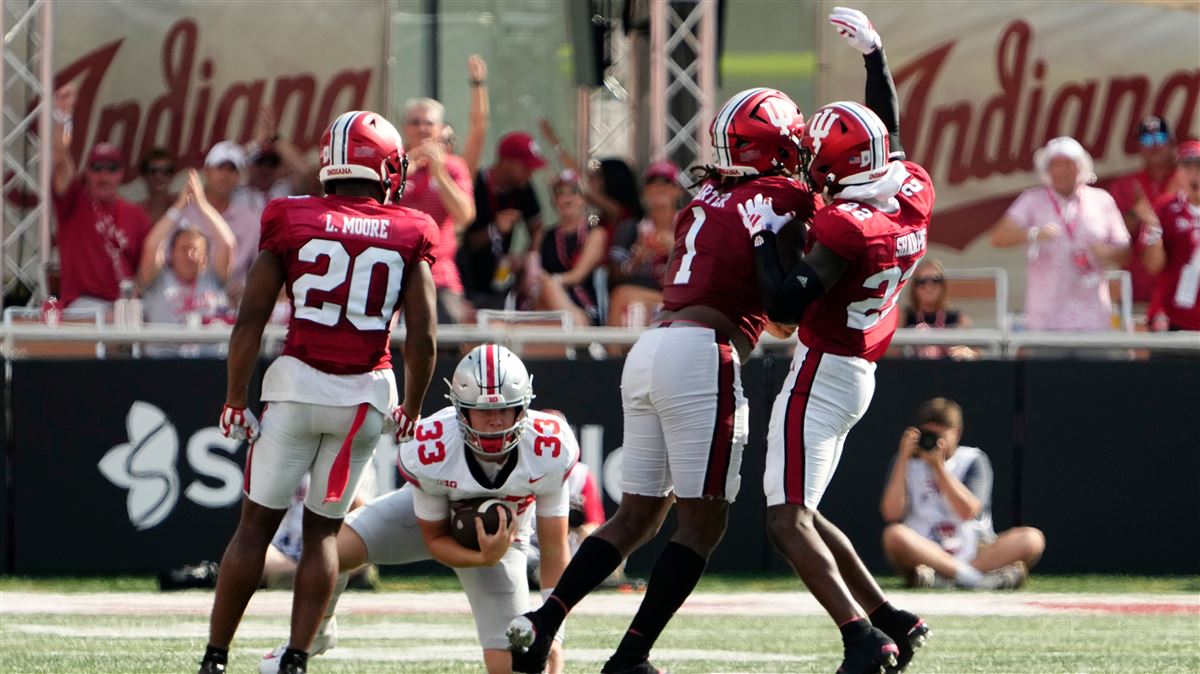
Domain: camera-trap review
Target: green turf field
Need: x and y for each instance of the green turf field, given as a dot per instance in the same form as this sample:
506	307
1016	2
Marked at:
122	636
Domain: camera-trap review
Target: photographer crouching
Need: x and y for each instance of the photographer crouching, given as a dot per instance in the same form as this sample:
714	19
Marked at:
938	507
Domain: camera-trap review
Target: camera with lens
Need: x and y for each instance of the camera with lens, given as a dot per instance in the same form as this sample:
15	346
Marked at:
928	440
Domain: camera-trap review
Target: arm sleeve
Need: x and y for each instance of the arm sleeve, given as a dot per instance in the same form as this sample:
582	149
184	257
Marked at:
881	98
430	507
978	480
784	296
554	503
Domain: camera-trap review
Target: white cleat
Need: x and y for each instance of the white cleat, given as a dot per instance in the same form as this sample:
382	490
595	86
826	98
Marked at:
521	634
324	641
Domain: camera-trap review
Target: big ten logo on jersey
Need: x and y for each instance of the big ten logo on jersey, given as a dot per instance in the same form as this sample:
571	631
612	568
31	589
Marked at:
340	223
431	450
146	467
709	195
546	437
911	244
361	275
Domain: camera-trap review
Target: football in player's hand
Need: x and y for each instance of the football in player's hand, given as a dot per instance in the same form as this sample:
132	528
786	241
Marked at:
464	513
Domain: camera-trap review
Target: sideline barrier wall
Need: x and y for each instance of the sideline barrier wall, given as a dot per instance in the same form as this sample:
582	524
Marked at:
1103	456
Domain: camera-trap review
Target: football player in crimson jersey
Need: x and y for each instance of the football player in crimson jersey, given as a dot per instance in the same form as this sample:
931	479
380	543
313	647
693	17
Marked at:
860	250
348	261
487	445
685	417
1172	250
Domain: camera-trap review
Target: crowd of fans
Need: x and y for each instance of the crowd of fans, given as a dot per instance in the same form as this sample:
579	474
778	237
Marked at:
603	256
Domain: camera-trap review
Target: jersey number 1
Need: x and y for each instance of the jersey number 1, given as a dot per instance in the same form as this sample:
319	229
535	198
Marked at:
335	275
689	243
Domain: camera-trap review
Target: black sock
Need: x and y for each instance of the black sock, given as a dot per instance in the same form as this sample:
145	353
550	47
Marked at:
217	655
855	630
675	575
885	614
595	560
293	656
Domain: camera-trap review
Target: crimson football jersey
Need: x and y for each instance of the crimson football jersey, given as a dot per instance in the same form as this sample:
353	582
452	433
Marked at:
857	317
345	261
1178	288
714	263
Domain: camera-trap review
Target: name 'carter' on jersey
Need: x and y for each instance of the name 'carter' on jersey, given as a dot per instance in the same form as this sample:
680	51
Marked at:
713	257
439	462
857	316
346	261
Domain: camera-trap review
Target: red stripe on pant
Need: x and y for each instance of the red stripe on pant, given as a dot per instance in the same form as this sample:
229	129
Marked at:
721	450
793	429
339	472
250	452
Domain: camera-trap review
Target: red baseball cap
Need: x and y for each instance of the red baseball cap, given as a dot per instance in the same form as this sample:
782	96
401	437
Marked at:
663	168
522	147
105	152
1189	150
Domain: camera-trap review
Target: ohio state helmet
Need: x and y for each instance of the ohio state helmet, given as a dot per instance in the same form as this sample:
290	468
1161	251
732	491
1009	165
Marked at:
491	377
363	145
757	131
844	143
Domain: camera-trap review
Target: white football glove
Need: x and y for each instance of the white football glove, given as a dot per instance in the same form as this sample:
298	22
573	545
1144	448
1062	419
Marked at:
405	426
238	423
758	214
856	28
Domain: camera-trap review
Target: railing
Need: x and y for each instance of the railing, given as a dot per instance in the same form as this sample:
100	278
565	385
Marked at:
516	337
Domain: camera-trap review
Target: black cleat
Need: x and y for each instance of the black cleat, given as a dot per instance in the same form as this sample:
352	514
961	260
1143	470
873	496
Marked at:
529	643
910	632
870	654
210	667
293	668
643	667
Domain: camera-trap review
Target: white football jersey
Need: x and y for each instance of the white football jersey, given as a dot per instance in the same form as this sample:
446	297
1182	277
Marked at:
439	463
930	514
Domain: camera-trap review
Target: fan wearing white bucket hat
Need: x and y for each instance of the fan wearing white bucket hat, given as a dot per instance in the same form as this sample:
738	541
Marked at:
1073	232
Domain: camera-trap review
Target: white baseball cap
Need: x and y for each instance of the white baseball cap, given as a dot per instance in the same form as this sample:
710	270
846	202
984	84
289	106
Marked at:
226	151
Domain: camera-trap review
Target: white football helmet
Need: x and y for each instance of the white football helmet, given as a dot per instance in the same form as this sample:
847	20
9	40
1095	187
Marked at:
491	377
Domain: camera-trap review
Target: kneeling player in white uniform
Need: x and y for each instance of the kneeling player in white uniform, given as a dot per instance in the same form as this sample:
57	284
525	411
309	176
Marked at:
488	444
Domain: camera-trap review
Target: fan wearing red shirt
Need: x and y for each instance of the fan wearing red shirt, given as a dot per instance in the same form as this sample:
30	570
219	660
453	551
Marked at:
439	184
1172	249
348	262
861	249
100	234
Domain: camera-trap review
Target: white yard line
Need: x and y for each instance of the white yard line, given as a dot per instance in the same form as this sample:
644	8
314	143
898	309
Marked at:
744	603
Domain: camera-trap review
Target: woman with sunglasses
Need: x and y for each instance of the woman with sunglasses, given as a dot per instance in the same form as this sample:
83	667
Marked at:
570	253
158	170
927	310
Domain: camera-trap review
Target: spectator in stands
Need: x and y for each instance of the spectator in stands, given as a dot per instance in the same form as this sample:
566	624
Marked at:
611	187
928	310
478	121
99	234
180	282
439	184
570	254
937	504
641	249
275	168
1138	194
504	204
1073	232
1172	250
157	170
223	167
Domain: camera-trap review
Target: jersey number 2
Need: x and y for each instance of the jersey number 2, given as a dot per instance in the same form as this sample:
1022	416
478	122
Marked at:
335	275
866	314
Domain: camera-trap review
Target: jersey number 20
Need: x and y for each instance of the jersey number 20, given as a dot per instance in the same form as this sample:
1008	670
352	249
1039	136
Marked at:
335	275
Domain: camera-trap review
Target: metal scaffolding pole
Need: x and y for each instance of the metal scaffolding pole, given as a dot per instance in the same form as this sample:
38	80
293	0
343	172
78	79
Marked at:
683	83
26	74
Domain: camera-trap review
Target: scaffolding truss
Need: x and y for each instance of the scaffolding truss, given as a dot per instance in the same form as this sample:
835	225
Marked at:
683	55
27	78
